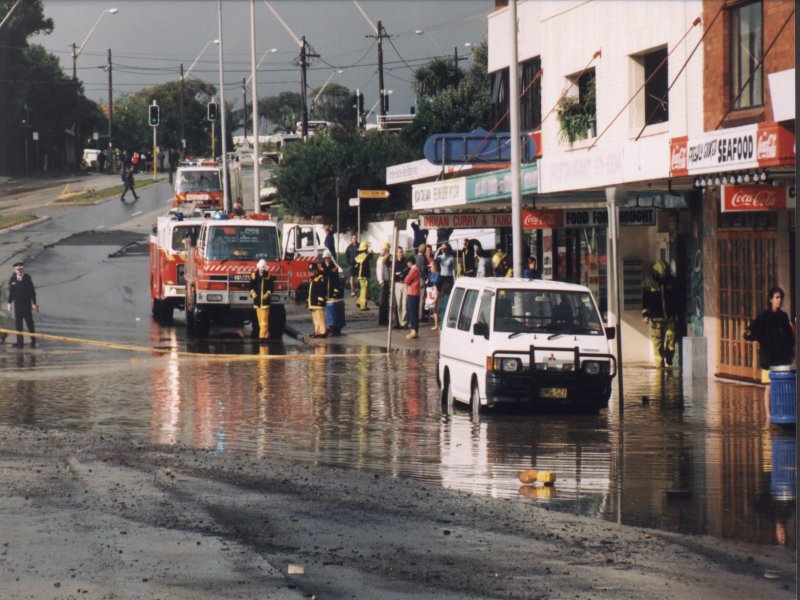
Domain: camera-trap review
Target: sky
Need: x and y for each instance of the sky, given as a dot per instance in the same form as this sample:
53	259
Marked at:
149	39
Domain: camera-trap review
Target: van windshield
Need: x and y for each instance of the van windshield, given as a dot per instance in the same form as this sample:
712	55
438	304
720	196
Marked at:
518	311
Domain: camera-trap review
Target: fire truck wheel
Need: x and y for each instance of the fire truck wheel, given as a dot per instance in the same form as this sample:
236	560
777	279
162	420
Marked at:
201	323
165	312
156	308
190	322
277	320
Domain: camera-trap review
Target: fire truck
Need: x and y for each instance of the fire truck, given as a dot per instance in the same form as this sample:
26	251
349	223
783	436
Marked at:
198	185
218	269
167	264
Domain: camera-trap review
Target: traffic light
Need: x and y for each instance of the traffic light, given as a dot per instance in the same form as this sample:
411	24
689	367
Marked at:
153	115
25	118
212	111
386	103
360	103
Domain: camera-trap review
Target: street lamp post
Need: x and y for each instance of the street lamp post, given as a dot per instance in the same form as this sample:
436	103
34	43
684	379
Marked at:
324	85
184	75
76	50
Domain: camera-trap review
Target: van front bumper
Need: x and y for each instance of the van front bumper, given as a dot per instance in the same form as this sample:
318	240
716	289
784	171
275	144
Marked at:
549	390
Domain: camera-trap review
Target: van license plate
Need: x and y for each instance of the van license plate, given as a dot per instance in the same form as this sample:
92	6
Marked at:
553	392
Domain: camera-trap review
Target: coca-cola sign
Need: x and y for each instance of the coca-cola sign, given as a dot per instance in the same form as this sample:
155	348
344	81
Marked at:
739	198
542	219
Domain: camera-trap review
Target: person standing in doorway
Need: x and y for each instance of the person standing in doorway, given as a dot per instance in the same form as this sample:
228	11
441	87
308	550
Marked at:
127	180
350	255
773	332
22	295
412	282
660	311
262	285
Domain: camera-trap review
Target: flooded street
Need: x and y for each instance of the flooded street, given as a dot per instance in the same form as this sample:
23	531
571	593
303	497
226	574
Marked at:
700	460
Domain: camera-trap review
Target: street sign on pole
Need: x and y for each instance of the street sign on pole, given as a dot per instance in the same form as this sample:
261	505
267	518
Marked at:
353	202
374	194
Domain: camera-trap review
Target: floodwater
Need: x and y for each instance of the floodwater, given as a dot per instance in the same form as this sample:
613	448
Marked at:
702	460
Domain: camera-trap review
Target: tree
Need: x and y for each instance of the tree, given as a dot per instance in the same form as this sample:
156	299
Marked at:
335	104
437	76
282	111
461	107
306	179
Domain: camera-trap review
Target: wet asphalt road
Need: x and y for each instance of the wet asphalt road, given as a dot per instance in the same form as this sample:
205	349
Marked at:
698	459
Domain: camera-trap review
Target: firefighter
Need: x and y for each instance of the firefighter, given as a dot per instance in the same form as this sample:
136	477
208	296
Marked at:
362	269
262	285
660	308
334	294
316	300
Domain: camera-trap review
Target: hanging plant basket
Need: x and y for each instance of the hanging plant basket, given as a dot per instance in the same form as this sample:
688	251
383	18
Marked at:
574	119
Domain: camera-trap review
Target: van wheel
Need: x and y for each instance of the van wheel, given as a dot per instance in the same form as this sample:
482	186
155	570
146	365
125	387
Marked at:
447	393
475	397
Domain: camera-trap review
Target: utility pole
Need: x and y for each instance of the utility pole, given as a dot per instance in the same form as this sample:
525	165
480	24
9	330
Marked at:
244	106
380	70
110	113
304	56
183	133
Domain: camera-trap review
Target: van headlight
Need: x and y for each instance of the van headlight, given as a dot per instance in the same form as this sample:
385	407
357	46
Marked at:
506	365
593	367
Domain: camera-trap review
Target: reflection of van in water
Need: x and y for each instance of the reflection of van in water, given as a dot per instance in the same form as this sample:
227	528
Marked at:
540	343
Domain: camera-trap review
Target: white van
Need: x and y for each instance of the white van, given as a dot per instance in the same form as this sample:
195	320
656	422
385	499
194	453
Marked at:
508	340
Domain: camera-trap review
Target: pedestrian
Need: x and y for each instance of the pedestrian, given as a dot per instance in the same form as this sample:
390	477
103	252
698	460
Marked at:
383	270
135	158
412	281
422	266
350	255
238	210
160	158
660	306
262	284
482	262
363	272
101	161
5	320
532	270
329	242
420	235
22	295
498	255
127	180
467	262
773	332
400	295
334	294
444	259
433	288
316	300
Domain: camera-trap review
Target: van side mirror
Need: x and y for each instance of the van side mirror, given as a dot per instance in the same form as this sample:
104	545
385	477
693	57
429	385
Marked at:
611	332
481	329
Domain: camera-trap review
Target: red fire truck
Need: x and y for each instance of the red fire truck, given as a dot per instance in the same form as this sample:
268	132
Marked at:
218	269
198	185
167	264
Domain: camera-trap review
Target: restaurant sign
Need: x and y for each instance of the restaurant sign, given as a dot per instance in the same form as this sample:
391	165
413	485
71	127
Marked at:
745	198
540	219
748	147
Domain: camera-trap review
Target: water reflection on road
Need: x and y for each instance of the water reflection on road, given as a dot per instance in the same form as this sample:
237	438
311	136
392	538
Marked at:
698	460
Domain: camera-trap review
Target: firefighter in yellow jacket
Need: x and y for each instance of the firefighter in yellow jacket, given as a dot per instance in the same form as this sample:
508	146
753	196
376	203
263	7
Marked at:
316	300
363	272
262	285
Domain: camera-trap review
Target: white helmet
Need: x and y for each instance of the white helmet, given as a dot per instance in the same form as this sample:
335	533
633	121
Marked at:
327	254
262	264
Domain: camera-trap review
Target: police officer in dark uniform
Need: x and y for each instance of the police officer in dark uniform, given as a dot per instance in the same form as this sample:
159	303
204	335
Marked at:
262	284
22	295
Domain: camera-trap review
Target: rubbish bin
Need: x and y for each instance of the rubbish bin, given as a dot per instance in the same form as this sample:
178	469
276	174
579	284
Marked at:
784	467
783	395
334	316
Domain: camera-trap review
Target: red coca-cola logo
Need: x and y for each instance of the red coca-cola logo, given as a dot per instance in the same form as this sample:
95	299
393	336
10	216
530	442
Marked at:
762	199
542	219
767	145
678	157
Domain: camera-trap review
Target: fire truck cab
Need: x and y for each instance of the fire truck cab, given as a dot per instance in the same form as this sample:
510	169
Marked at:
218	269
167	264
199	185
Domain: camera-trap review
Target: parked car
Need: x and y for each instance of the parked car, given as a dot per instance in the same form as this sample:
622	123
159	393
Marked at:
515	341
246	159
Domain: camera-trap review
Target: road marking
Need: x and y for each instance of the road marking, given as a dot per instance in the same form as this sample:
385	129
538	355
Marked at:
138	212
